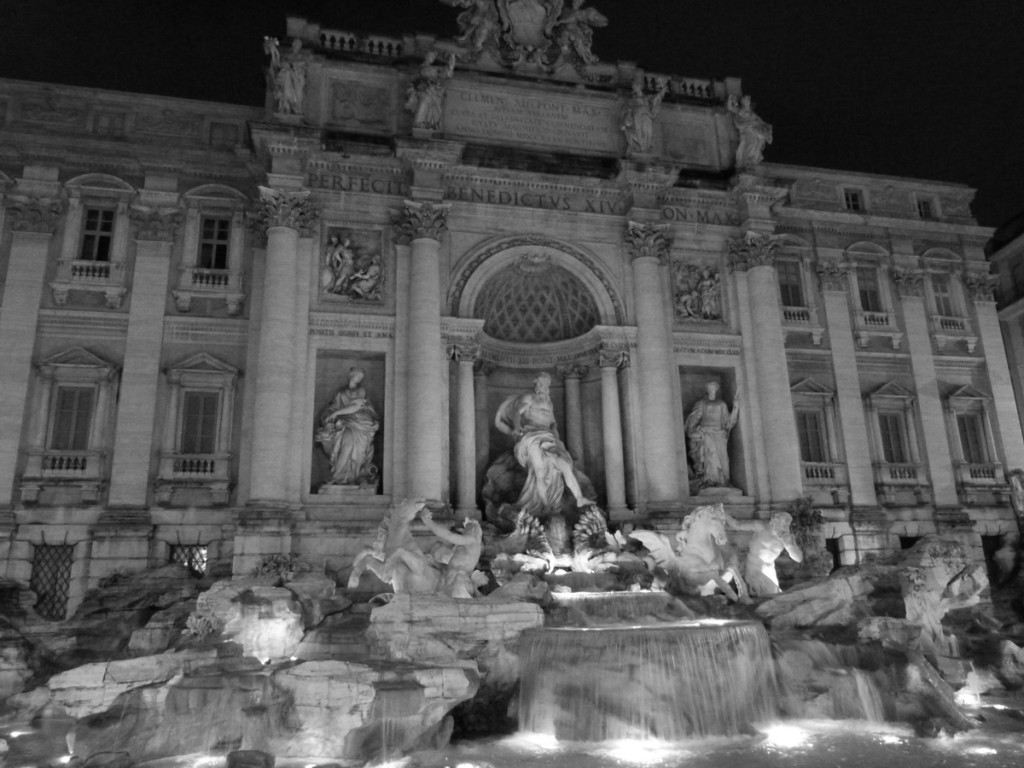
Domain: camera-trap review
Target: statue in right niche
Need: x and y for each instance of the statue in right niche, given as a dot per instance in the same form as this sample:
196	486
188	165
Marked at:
707	428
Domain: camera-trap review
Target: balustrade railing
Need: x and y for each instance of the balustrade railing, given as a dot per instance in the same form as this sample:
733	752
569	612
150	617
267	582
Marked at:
979	474
348	42
796	315
899	474
90	272
880	320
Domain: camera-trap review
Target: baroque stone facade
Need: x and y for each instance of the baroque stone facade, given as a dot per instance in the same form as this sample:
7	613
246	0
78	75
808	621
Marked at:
189	291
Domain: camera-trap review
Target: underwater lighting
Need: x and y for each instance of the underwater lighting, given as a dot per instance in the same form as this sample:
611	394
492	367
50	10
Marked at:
889	738
64	760
16	734
641	752
981	751
966	698
997	706
785	736
534	741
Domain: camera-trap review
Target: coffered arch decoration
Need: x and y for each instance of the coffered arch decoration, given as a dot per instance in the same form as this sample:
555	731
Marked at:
534	289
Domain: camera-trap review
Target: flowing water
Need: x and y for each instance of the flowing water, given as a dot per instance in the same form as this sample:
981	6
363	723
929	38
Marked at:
666	681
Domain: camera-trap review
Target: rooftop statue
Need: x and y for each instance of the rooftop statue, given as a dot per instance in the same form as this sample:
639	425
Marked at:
701	562
754	132
707	427
426	94
544	33
638	117
287	77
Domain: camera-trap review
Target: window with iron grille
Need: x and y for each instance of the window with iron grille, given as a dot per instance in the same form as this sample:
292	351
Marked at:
199	422
97	234
72	419
791	287
192	556
51	577
214	237
867	287
811	432
894	437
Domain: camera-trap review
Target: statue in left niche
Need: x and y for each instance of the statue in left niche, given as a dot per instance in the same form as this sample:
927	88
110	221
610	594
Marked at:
347	428
287	77
426	93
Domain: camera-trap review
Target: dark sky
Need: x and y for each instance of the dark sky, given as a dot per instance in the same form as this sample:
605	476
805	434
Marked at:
921	88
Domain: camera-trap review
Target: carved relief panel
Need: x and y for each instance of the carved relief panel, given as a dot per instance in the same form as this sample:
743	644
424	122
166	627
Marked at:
352	265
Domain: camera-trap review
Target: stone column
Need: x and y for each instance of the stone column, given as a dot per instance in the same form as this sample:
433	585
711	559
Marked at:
33	221
648	246
284	215
465	443
849	402
611	431
481	370
130	470
1005	421
910	287
755	254
424	224
571	375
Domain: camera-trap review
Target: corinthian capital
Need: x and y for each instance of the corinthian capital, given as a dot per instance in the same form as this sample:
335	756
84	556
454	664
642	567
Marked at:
833	276
648	240
286	209
980	285
155	224
908	282
754	249
34	214
420	220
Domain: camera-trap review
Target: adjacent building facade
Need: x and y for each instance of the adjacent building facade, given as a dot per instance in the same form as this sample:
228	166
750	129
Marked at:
197	301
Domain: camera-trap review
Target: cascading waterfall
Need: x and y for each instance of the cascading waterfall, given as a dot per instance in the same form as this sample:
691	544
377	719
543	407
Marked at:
666	682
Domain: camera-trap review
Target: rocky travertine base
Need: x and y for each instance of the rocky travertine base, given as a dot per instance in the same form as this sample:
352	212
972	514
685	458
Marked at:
442	629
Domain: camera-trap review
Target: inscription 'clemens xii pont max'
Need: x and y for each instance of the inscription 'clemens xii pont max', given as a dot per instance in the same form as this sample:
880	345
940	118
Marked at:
517	117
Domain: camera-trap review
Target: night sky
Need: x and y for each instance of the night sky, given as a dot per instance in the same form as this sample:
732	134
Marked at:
921	88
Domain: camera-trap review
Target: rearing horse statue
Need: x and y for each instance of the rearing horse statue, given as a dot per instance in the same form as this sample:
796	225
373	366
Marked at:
703	562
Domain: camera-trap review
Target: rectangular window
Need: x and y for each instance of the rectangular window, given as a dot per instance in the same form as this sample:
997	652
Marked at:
213	242
223	134
809	427
894	438
108	123
943	291
199	422
971	438
72	419
192	556
853	199
97	234
51	579
790	283
924	208
867	287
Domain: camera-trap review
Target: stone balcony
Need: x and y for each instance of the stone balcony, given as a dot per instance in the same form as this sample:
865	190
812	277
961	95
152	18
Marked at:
197	283
203	479
803	319
947	330
81	470
900	483
869	324
106	277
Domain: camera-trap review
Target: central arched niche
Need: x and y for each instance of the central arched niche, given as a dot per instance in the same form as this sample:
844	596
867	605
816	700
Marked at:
531	289
534	300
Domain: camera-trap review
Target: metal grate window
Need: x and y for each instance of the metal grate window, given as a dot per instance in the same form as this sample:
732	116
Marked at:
192	556
51	577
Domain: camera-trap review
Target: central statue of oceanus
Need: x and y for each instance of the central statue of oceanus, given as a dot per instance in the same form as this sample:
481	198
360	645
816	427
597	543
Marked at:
535	491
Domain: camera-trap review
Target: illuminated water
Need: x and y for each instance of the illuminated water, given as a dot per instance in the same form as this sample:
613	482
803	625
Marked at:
997	743
666	681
